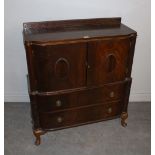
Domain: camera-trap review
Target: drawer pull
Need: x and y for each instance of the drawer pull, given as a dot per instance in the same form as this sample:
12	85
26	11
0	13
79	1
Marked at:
58	103
85	37
112	94
59	119
109	110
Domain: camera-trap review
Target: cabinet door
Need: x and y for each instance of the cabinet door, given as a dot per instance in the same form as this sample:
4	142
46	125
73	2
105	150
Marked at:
59	67
107	61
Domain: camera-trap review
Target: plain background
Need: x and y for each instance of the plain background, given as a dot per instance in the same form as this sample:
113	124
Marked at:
134	13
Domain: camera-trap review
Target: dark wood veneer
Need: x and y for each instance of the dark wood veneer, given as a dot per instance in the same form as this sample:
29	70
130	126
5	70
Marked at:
57	67
79	115
99	62
66	25
85	97
79	71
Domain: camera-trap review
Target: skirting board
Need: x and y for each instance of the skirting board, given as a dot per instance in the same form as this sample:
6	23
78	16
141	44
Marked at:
134	97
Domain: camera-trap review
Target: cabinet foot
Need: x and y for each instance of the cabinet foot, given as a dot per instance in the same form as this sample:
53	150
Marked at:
37	133
124	116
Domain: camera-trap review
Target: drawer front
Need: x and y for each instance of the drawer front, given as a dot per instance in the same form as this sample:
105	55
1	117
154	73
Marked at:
107	61
59	67
56	102
110	92
79	116
103	94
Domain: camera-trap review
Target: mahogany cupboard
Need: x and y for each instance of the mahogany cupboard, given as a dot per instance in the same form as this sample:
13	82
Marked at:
79	71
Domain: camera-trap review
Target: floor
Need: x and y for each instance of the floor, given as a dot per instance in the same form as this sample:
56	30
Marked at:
104	138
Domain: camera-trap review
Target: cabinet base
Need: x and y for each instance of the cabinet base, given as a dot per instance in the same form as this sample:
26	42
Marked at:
38	132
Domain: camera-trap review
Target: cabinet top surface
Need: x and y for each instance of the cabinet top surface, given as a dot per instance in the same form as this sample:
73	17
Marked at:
81	29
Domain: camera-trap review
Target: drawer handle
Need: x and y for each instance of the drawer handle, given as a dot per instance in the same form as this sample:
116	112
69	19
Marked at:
109	110
59	119
112	94
85	37
58	103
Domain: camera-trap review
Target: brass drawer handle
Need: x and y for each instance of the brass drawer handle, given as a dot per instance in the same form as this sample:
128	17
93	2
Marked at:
85	37
109	110
58	103
59	119
112	94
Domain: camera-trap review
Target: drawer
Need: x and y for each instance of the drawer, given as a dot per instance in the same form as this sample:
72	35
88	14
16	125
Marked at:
80	115
110	92
56	102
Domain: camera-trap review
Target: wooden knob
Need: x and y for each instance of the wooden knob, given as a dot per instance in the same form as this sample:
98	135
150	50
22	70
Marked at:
88	66
59	119
58	103
112	94
109	110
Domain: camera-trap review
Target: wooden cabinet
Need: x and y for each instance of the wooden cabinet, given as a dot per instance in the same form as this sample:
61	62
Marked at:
79	71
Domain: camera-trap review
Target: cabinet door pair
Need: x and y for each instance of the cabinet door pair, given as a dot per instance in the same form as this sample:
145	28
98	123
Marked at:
75	65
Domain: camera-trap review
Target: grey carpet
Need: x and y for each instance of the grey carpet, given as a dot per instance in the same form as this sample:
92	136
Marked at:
104	138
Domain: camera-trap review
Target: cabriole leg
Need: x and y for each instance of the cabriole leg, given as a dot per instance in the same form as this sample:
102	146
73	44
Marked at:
37	134
124	116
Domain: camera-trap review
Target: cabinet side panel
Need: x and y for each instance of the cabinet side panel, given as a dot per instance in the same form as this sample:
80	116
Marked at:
34	112
126	94
30	66
131	55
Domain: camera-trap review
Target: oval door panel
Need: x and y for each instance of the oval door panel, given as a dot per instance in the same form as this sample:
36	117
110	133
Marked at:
110	62
62	68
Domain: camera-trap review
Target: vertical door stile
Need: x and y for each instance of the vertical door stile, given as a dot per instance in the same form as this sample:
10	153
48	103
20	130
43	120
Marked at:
89	65
87	52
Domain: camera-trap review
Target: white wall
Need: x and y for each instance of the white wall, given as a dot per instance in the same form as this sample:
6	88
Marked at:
134	13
